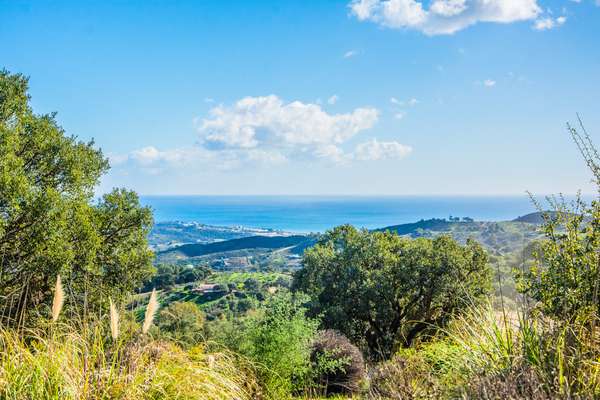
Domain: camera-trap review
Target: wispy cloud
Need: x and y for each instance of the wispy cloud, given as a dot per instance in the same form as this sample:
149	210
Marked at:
333	99
442	16
547	23
374	150
489	83
350	53
402	103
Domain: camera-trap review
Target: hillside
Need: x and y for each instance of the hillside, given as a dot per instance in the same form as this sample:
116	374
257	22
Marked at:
252	242
501	237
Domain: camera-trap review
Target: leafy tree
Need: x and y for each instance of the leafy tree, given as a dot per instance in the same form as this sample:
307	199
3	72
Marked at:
383	291
251	284
182	322
166	276
49	222
565	276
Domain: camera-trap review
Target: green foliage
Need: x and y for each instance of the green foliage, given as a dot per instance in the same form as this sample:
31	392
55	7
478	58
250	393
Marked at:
182	323
384	291
277	340
49	223
565	276
167	276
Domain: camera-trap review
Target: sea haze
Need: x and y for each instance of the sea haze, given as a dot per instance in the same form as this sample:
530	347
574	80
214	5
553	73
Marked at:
319	213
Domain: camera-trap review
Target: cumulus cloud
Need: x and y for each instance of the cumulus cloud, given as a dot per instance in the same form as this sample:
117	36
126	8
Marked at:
267	130
375	150
443	16
270	123
547	23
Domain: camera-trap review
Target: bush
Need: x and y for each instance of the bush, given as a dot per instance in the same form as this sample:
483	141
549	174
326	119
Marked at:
277	339
403	378
515	384
181	322
337	365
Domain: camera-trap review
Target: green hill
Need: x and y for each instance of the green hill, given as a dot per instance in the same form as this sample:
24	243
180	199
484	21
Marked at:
252	242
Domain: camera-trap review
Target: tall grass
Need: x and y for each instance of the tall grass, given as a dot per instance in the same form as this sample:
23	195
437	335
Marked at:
106	361
487	354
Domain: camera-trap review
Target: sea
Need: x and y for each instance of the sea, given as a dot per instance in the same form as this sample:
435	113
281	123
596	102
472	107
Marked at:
319	213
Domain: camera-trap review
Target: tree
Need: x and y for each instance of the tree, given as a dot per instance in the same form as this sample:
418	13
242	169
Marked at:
182	322
565	276
49	221
383	291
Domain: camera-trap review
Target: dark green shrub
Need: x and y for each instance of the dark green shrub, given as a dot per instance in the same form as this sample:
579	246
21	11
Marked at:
337	365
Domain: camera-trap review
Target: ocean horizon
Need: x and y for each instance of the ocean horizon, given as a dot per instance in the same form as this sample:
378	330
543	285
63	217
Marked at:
319	213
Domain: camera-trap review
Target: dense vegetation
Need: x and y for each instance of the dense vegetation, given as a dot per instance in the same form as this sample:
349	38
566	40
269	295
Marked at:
366	314
384	291
49	223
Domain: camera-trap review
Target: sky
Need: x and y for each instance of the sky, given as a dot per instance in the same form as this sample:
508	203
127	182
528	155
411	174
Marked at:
365	97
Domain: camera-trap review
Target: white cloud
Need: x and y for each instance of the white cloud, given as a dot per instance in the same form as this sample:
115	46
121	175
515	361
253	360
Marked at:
333	99
375	150
489	83
547	23
410	102
267	131
443	16
150	155
400	115
291	129
350	53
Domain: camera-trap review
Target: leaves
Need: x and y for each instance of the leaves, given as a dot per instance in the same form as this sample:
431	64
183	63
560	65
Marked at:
384	291
49	222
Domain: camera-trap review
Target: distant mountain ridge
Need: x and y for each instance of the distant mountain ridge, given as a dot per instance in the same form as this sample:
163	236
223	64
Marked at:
251	242
503	236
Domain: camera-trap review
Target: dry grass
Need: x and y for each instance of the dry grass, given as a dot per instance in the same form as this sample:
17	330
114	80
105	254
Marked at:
67	361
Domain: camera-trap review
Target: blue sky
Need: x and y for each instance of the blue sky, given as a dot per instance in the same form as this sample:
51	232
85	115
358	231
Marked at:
318	97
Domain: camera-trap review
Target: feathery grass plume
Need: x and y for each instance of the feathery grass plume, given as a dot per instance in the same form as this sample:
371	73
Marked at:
150	312
59	299
114	320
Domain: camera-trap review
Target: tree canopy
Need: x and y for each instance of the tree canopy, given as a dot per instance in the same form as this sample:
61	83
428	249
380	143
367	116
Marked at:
383	291
50	223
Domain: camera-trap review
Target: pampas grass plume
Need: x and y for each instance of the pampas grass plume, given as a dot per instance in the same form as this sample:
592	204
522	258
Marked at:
150	312
59	299
114	320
